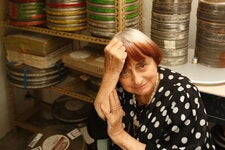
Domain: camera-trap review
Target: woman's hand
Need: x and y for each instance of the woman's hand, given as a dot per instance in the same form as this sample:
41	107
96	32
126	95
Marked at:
115	56
114	116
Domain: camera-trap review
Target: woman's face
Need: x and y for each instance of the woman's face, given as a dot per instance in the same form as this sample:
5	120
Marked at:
139	77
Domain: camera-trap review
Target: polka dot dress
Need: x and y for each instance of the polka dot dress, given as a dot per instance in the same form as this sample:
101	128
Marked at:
175	119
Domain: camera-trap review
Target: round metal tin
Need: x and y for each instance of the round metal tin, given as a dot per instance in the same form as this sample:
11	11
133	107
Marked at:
26	23
31	86
82	24
214	5
167	18
211	26
27	5
71	110
101	33
104	33
111	8
213	16
132	21
66	19
174	61
109	18
27	17
67	27
25	76
169	35
67	11
19	69
111	24
172	53
172	1
171	44
26	1
172	8
65	5
209	44
101	24
177	27
211	36
57	141
210	57
38	80
63	1
113	30
108	2
110	14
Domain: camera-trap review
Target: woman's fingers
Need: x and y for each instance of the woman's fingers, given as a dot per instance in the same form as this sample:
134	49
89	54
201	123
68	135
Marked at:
114	101
105	111
115	56
115	97
115	46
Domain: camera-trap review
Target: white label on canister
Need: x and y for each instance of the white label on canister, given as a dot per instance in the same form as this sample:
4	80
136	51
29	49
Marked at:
170	44
74	134
35	140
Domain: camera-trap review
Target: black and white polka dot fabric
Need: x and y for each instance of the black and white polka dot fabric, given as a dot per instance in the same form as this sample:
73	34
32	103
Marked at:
175	119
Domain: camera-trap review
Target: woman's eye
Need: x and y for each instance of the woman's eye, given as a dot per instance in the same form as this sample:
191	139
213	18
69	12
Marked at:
142	66
124	73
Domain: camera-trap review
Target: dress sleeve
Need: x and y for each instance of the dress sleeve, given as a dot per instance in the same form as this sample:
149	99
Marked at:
185	125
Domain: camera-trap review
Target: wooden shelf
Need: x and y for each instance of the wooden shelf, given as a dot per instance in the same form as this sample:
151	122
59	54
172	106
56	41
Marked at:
22	120
69	35
74	87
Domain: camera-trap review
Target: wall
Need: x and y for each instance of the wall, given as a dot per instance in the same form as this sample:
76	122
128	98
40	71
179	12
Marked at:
4	111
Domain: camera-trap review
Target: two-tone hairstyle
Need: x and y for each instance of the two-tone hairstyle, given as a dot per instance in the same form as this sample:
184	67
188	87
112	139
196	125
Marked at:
138	45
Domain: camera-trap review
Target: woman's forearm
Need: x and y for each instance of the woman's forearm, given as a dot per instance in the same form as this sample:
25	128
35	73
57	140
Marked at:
109	82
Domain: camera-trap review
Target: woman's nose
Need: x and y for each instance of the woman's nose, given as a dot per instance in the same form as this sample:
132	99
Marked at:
137	78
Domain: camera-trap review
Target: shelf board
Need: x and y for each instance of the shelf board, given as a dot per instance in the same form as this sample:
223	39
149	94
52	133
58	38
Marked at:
70	35
22	119
28	126
73	88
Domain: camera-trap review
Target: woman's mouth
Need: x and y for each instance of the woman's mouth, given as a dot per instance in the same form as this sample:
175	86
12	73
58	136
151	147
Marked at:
140	87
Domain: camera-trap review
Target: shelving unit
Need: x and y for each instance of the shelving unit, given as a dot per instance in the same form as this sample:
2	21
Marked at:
66	88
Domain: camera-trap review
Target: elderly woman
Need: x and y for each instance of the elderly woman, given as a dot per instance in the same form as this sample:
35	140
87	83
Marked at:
147	106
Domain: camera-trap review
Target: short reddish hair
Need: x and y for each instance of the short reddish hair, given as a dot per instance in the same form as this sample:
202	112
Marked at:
138	45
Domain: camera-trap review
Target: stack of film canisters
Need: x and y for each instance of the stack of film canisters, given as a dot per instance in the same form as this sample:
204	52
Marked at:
71	110
27	12
101	16
210	35
170	29
27	77
66	15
